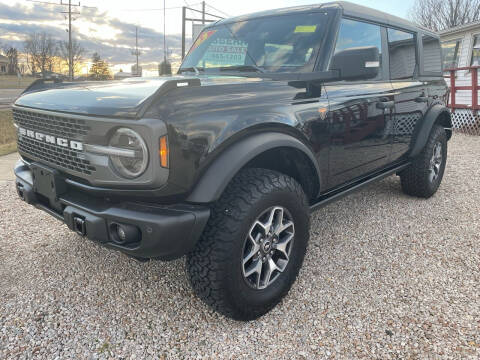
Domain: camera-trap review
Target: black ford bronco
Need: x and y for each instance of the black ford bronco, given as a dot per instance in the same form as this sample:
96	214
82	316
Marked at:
270	116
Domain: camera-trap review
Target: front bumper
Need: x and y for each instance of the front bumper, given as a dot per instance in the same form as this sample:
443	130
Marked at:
166	231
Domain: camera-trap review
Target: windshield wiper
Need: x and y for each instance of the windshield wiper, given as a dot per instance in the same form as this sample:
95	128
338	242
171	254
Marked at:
191	69
243	68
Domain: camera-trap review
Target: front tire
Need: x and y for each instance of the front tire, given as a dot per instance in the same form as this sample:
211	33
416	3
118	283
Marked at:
424	176
253	245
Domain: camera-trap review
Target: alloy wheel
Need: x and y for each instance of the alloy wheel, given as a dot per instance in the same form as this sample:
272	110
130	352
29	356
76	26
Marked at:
267	248
435	162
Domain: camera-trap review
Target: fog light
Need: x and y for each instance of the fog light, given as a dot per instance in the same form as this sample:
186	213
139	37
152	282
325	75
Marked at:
124	234
121	233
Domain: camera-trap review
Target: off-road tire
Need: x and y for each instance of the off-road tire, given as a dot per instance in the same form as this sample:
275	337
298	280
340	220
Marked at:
215	265
416	180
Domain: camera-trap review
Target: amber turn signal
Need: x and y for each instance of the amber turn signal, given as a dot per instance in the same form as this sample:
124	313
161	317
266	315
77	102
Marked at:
163	152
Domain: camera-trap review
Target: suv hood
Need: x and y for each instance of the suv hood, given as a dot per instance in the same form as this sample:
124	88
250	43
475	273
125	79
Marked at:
124	98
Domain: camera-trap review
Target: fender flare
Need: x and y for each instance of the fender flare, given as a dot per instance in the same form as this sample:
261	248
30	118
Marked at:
213	182
422	132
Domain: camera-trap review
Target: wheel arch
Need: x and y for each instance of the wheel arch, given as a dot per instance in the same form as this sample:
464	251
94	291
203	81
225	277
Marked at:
259	150
438	114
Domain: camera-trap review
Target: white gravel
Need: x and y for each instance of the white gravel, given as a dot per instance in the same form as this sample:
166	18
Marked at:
386	276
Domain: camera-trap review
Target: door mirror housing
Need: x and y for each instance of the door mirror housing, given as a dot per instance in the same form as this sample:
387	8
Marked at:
361	63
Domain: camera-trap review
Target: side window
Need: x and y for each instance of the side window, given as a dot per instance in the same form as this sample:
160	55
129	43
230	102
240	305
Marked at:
451	52
476	51
402	51
432	59
356	34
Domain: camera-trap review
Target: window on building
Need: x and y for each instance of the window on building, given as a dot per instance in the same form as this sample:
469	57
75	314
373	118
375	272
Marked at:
432	60
403	55
354	34
476	51
451	53
3	68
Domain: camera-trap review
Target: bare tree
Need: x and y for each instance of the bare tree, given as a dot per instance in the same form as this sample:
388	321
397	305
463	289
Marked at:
439	15
77	53
12	54
41	52
30	49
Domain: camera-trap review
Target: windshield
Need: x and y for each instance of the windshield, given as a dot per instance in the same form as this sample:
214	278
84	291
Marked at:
276	43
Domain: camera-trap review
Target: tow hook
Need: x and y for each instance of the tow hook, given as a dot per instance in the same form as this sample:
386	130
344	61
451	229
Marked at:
79	226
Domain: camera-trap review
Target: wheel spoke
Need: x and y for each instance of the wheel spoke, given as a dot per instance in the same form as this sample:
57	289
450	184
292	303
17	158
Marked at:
271	268
271	218
264	227
255	267
282	227
438	152
251	254
282	245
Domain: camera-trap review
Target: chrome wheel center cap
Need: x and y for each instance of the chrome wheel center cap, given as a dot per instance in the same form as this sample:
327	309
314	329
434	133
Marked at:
267	246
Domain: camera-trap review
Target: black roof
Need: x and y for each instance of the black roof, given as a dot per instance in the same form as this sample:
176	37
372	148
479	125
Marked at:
349	9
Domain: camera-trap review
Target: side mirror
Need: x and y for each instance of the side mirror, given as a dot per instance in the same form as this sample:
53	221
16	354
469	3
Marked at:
359	63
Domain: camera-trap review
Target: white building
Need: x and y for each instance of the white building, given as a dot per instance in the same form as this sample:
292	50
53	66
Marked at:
461	51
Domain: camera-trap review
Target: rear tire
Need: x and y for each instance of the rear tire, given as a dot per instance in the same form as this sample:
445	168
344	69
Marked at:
253	246
424	176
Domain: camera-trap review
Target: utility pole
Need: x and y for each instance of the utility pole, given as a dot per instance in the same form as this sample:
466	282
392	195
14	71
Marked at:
164	35
70	55
136	52
195	19
70	52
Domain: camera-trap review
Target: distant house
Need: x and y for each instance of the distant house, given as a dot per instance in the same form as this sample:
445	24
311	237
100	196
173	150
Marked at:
461	57
3	65
122	75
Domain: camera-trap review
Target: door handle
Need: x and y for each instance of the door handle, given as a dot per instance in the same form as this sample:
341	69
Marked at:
421	99
386	105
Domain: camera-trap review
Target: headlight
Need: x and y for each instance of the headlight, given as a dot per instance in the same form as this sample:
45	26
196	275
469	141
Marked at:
133	163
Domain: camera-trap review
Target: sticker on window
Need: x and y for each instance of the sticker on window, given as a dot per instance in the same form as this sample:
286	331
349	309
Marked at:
226	52
372	64
201	38
305	28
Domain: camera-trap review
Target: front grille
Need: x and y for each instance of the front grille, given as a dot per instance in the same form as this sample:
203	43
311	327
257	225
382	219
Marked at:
58	126
74	129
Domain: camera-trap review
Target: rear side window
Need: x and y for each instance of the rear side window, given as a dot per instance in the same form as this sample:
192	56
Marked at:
356	34
432	55
402	51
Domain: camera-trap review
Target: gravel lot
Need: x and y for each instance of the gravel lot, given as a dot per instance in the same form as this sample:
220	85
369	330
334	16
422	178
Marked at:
386	276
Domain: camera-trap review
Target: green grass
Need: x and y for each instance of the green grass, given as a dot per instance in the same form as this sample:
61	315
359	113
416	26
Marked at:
8	136
12	82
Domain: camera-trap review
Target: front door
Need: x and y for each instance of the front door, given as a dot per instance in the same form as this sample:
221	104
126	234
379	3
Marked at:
411	95
361	112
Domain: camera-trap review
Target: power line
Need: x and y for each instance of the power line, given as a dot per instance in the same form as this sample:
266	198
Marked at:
57	4
158	9
220	11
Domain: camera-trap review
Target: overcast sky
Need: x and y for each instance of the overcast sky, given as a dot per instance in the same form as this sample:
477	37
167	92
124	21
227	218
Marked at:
108	26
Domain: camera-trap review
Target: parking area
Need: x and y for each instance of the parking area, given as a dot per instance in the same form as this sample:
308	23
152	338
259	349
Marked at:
8	96
386	276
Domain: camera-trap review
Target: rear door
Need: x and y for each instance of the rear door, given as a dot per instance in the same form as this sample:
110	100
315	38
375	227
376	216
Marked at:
411	94
361	112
